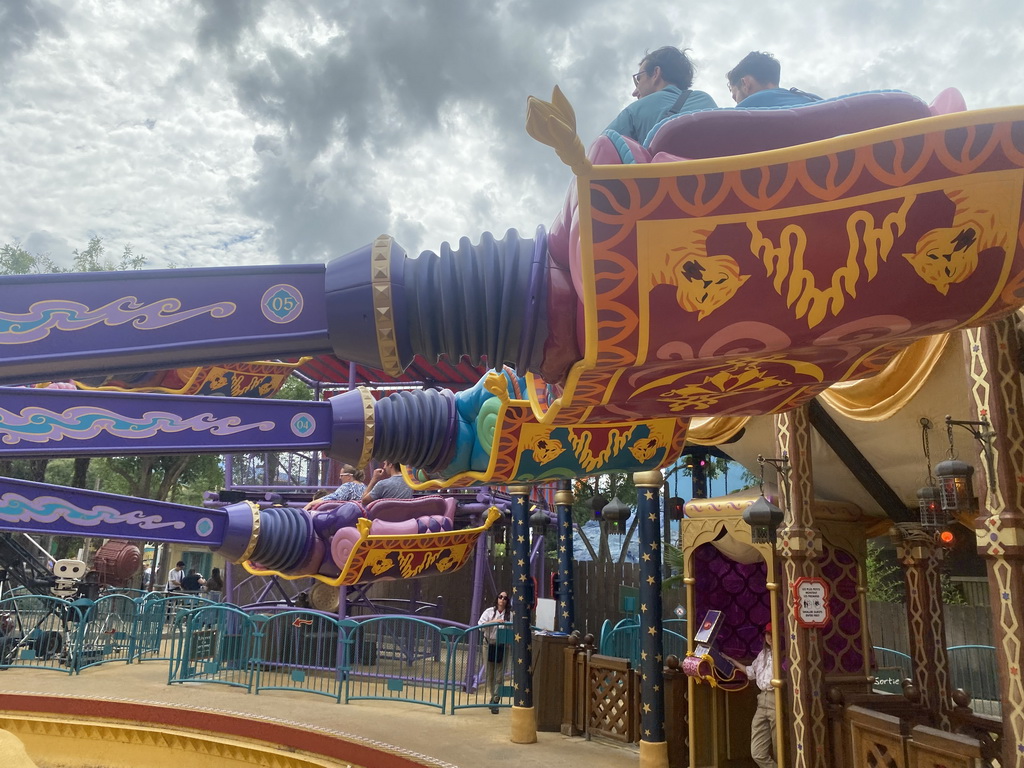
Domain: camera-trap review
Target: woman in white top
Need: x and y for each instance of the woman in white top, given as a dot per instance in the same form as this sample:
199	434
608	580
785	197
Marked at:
494	616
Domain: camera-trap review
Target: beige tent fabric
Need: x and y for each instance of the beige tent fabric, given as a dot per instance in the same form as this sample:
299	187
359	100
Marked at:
880	396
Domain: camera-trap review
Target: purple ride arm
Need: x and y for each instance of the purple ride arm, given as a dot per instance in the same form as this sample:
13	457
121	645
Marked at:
374	306
279	538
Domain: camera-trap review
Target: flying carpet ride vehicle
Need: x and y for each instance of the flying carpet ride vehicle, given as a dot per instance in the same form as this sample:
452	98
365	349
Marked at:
737	263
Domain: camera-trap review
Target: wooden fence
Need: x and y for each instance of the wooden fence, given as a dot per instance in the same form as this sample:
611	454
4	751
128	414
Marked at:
965	625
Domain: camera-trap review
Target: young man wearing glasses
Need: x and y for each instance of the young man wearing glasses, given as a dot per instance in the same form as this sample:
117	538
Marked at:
661	88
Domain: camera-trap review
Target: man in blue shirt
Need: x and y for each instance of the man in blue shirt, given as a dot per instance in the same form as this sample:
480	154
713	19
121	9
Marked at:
754	82
665	76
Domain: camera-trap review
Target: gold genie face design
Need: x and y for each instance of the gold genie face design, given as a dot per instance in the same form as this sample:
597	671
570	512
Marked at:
945	256
545	449
644	449
703	283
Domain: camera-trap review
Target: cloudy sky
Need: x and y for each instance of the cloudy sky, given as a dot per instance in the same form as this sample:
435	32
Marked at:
243	132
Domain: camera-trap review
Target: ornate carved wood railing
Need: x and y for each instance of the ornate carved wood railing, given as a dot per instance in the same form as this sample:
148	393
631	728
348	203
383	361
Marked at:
881	731
988	731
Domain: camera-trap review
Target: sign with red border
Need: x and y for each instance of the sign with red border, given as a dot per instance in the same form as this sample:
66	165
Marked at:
810	602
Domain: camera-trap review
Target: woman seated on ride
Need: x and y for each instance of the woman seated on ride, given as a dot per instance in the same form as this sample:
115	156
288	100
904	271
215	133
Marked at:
351	489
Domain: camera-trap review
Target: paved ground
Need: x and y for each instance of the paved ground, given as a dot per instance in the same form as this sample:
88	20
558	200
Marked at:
468	739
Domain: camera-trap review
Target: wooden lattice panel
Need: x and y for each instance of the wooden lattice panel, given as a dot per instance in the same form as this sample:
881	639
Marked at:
876	739
611	685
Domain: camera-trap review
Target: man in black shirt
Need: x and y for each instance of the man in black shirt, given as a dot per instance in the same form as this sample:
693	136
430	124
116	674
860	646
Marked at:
193	581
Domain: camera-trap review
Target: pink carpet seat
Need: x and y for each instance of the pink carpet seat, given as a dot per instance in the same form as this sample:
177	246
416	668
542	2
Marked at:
397	517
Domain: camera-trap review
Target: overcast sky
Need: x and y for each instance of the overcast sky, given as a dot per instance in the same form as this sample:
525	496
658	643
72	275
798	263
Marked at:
237	132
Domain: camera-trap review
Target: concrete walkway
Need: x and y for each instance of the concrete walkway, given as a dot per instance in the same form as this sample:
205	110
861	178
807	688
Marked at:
468	739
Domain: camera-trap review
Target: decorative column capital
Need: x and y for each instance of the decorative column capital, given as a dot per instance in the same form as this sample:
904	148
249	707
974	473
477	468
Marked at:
649	479
563	498
519	490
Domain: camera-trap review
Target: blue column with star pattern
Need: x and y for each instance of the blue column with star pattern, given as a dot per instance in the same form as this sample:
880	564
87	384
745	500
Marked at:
652	685
522	598
565	615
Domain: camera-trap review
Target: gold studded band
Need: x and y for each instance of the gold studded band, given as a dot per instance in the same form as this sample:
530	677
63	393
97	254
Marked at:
369	426
254	535
383	311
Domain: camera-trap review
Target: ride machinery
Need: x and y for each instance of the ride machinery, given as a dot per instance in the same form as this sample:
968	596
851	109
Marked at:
736	263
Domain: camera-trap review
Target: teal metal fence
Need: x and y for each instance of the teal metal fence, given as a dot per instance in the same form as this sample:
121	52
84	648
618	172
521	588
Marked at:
399	658
155	619
479	671
622	640
215	643
40	631
108	632
299	651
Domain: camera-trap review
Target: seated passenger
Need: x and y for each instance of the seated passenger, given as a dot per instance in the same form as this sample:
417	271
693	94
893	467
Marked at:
754	82
387	483
351	489
661	89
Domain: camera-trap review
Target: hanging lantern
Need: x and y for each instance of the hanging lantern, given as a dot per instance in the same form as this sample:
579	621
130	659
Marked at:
764	518
597	503
956	487
929	507
676	508
617	513
539	519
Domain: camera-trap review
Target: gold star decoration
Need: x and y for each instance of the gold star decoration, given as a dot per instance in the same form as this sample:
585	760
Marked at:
652	516
652	631
658	657
646	556
520	539
657	688
647	732
647	708
521	562
643	607
522	577
518	637
648	494
565	614
650	579
654	545
561	549
643	655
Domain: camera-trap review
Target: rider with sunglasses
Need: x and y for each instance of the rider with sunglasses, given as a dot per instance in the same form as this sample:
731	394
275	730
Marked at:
661	88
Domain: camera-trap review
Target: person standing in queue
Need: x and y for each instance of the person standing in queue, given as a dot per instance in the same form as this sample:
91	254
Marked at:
491	620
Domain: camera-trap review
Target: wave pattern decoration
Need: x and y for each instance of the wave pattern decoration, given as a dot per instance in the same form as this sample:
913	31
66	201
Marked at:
15	508
67	315
40	425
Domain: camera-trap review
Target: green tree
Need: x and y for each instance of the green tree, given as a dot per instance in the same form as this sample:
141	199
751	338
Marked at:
885	583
